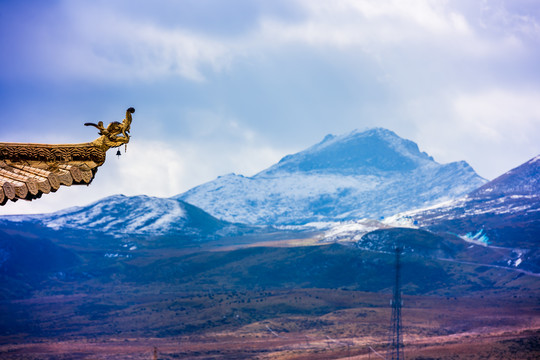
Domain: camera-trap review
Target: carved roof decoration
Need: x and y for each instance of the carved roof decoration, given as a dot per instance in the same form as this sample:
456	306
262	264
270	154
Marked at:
27	171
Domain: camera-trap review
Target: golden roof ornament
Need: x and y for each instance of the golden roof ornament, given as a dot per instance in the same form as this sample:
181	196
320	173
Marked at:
27	171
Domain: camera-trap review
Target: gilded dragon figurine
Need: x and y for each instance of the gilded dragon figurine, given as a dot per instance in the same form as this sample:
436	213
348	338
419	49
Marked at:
116	133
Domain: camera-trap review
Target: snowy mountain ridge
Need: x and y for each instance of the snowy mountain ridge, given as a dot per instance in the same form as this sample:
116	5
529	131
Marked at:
130	215
358	175
121	216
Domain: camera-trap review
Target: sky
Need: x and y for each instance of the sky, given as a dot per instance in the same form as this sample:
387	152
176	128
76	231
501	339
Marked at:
232	86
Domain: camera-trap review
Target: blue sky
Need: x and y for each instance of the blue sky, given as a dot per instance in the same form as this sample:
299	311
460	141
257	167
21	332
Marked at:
223	86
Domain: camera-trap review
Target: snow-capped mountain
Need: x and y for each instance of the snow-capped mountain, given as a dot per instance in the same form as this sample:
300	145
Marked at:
505	211
123	216
362	174
524	180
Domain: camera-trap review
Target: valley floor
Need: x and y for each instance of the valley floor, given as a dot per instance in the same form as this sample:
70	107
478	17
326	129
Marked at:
435	327
508	344
281	299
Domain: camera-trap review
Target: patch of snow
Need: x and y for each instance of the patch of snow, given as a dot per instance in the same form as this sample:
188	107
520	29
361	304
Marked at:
401	220
479	238
116	255
352	230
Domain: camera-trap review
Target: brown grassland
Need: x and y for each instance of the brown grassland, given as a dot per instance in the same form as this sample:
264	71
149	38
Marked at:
343	325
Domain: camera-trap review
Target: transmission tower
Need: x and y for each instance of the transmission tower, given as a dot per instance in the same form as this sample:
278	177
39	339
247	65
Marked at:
395	350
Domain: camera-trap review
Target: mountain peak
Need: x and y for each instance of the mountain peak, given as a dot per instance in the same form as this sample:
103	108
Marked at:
359	152
362	174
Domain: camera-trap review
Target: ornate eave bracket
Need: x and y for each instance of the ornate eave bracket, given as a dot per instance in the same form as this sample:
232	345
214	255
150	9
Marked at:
27	171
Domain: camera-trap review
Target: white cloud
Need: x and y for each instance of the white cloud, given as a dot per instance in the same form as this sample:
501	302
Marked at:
106	44
499	115
216	144
494	130
344	23
496	17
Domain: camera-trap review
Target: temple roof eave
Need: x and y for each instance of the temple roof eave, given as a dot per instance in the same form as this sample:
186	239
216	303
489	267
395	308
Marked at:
28	170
